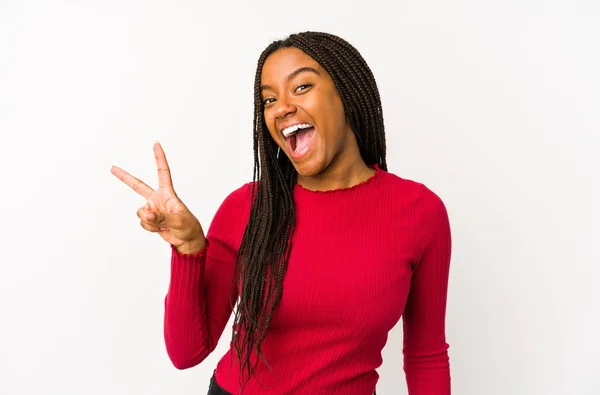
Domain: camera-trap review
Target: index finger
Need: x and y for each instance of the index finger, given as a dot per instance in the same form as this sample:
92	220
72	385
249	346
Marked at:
164	174
136	184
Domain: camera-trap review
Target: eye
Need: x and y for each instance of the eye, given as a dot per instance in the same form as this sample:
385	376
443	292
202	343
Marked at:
303	87
268	101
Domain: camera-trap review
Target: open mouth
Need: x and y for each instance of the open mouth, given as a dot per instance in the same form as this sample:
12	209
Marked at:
299	138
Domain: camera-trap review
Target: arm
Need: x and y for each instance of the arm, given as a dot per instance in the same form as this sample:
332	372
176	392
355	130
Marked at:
426	361
197	305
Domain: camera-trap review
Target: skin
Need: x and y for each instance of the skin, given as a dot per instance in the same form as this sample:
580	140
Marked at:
333	162
334	159
164	213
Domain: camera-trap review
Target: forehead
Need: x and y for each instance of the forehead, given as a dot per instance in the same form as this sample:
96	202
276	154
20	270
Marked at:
285	61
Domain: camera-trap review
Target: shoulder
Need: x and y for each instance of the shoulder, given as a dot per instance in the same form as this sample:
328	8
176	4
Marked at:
229	222
237	202
240	194
410	189
433	224
395	181
431	202
428	202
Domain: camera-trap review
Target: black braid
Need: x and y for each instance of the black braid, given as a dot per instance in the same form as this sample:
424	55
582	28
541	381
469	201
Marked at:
267	240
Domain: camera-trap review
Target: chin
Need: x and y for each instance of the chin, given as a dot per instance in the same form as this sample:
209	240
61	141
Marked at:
310	167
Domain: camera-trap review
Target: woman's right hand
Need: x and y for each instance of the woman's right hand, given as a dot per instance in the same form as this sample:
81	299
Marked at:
164	213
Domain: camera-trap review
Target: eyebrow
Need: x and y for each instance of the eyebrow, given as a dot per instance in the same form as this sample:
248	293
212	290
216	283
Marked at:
294	74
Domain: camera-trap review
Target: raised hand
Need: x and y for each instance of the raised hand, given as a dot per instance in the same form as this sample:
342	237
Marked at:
164	213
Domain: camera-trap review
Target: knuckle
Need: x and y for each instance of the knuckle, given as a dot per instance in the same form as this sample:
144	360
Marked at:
147	226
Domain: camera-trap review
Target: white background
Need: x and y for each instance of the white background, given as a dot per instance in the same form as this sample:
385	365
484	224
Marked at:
493	105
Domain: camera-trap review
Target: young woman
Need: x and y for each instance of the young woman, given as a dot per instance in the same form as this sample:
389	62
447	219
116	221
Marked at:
321	254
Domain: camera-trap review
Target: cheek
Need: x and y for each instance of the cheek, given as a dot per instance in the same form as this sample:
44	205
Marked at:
335	116
335	108
339	110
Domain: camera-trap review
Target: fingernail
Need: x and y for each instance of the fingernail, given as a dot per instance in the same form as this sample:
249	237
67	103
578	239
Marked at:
150	217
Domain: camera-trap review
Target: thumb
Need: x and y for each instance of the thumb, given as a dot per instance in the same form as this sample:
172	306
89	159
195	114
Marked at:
154	215
161	221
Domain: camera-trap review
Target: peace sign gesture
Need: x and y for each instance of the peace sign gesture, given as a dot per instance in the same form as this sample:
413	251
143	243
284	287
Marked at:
164	213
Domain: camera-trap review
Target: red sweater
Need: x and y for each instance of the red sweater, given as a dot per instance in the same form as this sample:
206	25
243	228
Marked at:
362	257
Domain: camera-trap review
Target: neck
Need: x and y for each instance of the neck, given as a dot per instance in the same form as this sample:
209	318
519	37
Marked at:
338	177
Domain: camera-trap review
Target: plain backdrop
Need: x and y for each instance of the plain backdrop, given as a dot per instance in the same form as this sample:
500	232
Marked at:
492	104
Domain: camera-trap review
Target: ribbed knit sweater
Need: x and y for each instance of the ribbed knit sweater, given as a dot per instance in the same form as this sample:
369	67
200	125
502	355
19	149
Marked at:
361	258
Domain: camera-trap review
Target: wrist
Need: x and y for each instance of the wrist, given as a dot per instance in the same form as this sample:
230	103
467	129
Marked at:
191	247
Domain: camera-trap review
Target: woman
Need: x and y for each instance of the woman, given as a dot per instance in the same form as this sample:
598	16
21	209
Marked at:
325	249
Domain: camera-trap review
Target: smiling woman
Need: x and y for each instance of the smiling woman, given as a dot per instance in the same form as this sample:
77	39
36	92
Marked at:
321	254
296	90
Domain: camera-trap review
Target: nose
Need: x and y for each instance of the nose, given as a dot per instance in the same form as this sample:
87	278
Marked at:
284	108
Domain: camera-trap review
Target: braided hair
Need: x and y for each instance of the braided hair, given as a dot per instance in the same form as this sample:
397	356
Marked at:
266	244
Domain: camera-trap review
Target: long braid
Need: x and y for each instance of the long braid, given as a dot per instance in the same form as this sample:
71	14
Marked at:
267	241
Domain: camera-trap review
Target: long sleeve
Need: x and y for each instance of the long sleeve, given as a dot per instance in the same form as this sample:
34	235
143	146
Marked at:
426	362
390	238
199	300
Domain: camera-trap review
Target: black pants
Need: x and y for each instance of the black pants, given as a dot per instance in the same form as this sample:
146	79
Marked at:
214	389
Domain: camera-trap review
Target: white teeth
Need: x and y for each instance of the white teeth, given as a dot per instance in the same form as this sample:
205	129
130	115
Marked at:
287	132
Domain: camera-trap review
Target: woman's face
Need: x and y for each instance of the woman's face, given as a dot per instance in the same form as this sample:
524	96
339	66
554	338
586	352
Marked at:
296	90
